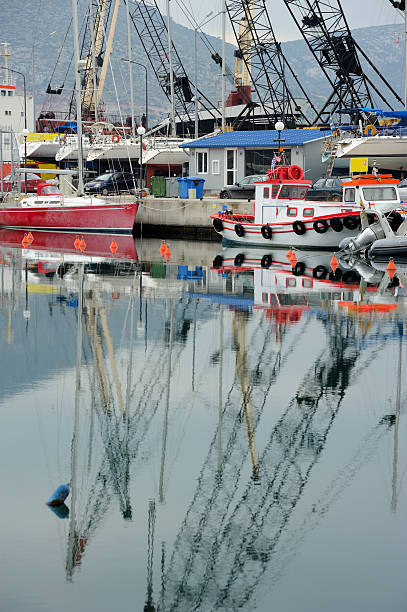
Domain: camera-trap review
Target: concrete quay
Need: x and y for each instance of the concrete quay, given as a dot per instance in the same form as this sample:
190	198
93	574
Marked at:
184	218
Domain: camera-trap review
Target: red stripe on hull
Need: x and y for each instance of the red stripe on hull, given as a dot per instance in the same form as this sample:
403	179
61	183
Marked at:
103	218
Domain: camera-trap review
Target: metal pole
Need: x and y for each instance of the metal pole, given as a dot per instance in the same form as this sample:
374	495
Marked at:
173	129
78	94
95	85
145	68
223	63
196	85
405	58
129	53
25	137
141	163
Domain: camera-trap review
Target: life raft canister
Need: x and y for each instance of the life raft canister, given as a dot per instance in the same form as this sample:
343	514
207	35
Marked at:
115	138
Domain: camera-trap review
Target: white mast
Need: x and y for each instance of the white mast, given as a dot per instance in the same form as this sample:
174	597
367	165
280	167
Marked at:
173	130
130	56
78	94
223	63
405	57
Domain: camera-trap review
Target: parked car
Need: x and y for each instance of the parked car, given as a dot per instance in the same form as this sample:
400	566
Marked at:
111	182
245	189
403	190
32	182
328	189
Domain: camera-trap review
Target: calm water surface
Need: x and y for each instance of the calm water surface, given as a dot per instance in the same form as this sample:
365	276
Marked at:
234	438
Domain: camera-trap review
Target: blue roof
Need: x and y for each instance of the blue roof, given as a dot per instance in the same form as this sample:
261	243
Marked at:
258	138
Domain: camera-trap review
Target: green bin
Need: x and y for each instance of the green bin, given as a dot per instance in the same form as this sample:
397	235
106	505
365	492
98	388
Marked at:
157	186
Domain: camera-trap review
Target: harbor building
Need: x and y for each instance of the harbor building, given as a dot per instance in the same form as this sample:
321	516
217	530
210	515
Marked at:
227	158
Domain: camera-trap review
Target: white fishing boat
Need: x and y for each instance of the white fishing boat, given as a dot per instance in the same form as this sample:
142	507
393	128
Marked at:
283	217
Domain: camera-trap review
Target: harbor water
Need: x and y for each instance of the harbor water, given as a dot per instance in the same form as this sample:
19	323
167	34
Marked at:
234	437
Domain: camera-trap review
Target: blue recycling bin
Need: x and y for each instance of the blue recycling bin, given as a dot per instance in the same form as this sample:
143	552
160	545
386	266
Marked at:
190	182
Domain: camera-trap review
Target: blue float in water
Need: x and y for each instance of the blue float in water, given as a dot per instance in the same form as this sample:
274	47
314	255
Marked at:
59	495
61	511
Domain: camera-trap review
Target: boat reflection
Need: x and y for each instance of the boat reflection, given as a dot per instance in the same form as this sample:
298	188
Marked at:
147	337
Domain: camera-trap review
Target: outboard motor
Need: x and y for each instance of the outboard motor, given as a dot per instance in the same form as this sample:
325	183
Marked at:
365	238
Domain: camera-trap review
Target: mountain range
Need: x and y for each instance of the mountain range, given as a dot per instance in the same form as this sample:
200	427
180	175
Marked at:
40	40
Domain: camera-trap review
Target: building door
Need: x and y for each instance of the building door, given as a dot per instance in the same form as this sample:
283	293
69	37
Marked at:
231	166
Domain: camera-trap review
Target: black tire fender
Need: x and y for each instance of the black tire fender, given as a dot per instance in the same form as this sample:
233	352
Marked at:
217	262
239	230
320	226
336	224
299	228
351	222
239	259
319	272
266	261
299	268
217	224
266	232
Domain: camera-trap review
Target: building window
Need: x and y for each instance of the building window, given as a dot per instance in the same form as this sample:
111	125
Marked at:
231	166
7	113
215	166
202	162
259	160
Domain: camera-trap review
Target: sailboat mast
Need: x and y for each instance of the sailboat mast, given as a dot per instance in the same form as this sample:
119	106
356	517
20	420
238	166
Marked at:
78	94
173	130
405	57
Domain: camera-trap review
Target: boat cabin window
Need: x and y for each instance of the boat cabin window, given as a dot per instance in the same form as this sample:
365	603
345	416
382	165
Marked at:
349	194
378	194
266	192
293	192
50	190
308	212
274	190
291	212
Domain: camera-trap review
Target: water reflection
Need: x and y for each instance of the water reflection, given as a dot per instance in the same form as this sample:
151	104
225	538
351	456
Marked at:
200	404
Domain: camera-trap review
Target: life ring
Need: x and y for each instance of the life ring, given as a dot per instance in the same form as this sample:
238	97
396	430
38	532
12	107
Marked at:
217	224
295	173
320	226
266	232
351	222
239	259
239	230
299	268
115	138
266	261
370	128
319	272
217	262
336	224
299	228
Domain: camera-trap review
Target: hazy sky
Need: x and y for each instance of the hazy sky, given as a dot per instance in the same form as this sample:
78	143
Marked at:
359	13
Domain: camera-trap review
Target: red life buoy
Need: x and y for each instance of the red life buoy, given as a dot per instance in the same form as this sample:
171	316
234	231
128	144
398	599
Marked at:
295	173
115	138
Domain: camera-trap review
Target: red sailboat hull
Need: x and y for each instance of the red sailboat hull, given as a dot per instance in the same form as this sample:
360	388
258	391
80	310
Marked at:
110	218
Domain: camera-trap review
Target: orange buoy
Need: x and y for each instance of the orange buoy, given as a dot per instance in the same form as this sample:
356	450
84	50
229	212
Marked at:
391	268
293	260
30	237
113	246
163	248
334	263
76	243
289	254
167	253
82	244
25	241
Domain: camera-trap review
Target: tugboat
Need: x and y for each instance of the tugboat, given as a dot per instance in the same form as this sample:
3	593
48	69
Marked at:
283	217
